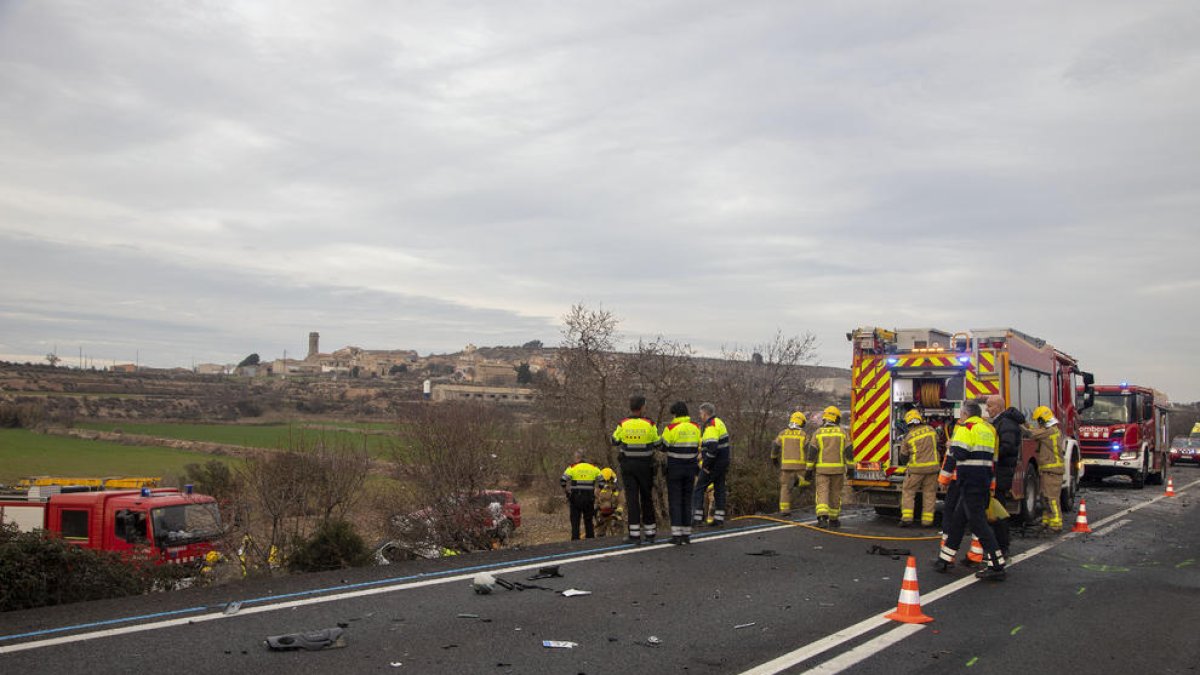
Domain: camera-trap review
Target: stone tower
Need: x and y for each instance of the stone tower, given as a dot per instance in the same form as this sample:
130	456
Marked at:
314	340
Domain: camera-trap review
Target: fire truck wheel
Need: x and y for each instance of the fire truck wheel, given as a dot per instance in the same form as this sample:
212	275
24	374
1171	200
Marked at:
1030	513
1158	477
1139	478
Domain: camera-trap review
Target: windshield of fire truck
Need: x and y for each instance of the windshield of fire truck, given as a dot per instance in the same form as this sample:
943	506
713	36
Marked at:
1109	409
185	523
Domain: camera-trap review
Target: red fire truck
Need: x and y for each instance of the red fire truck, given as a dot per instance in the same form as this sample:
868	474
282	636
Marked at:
936	372
169	525
1126	433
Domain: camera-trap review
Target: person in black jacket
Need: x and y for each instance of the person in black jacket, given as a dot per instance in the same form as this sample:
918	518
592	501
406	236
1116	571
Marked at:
1008	434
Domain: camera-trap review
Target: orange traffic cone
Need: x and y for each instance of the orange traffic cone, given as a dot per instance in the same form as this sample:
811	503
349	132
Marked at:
1170	487
1081	524
908	608
975	555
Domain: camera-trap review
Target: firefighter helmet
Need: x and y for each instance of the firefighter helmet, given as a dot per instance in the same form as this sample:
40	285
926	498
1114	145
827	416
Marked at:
912	416
798	419
608	475
1043	414
831	414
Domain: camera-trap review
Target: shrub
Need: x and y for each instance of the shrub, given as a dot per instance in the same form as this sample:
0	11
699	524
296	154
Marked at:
38	570
21	415
753	488
332	546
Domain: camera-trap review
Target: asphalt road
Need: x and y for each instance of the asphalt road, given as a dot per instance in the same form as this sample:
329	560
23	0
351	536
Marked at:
1120	599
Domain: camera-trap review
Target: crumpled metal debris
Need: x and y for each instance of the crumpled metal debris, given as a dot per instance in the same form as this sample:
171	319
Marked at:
311	641
546	573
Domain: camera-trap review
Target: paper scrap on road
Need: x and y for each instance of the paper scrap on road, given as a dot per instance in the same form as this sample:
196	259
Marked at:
572	592
744	625
559	644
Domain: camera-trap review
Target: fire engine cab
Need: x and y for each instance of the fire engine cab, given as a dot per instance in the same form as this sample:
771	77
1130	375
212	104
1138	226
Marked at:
167	525
935	372
1126	433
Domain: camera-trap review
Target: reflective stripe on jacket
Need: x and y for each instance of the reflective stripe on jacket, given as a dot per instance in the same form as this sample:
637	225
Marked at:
715	440
681	441
920	443
830	450
1050	449
637	437
972	452
580	477
789	448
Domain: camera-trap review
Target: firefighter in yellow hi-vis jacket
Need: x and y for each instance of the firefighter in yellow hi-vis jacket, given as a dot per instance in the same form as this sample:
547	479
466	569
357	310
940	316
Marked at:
920	474
1050	465
788	455
610	513
829	454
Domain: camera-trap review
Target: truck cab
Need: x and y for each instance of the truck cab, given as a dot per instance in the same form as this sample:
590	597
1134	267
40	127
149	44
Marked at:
1125	433
169	526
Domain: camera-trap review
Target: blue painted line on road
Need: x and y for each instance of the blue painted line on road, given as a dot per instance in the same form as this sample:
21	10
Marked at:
109	622
344	587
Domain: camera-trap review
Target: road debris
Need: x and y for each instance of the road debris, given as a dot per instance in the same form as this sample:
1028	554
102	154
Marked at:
328	638
744	625
572	592
559	644
765	553
395	664
483	583
232	608
467	616
894	553
654	640
546	573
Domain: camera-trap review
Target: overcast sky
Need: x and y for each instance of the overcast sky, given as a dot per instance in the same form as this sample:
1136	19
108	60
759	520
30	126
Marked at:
201	180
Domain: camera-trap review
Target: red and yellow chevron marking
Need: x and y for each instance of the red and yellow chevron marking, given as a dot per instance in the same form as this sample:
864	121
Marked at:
870	401
982	378
928	361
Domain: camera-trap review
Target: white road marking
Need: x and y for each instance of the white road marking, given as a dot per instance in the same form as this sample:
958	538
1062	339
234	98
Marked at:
793	658
409	585
1115	526
867	649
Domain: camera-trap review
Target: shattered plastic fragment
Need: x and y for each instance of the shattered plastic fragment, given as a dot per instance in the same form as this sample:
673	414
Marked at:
572	592
329	638
744	625
559	644
232	607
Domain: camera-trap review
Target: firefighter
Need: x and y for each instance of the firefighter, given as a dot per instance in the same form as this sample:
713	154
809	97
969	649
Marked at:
1050	465
830	453
920	475
637	437
579	484
788	455
972	457
610	513
681	441
714	465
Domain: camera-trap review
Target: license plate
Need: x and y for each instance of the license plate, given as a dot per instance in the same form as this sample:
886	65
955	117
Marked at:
1189	451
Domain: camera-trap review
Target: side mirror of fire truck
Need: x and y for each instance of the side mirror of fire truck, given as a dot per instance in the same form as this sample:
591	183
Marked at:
1089	392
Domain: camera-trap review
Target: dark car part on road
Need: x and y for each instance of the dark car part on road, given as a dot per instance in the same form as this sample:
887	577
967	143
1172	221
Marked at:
546	573
766	553
311	641
893	552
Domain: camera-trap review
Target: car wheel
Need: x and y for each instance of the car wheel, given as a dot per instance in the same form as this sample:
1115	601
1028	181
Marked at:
1029	500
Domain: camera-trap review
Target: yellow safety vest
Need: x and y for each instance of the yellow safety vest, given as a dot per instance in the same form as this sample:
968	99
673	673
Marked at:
636	436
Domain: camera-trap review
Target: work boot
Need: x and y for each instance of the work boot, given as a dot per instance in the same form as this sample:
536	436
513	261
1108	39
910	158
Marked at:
636	541
835	523
822	521
943	566
687	539
992	574
677	540
906	523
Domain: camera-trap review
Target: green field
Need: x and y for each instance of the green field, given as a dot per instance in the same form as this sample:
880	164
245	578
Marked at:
270	436
24	453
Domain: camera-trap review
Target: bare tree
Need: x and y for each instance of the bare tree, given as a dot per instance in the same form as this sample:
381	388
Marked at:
755	389
452	456
665	371
591	382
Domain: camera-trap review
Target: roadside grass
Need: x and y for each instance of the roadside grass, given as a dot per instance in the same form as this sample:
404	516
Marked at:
25	453
272	436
